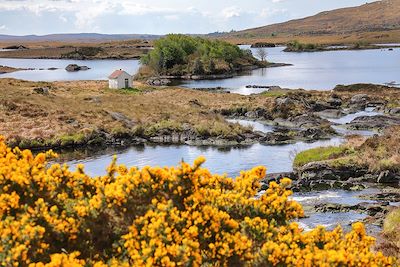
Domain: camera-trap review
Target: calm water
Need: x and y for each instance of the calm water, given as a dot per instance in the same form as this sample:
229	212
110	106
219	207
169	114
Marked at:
219	160
319	70
100	69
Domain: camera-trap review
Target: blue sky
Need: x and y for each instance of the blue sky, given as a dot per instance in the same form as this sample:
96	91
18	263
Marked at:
20	17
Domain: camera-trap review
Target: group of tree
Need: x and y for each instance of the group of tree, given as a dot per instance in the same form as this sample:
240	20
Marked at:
178	54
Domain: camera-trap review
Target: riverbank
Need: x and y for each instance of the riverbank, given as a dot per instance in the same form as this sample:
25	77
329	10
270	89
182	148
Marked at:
173	79
41	115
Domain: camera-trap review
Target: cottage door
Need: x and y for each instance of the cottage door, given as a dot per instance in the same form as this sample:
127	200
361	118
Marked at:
126	83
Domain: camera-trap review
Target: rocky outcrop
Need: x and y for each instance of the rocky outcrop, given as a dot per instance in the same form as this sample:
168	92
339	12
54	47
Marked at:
75	67
378	122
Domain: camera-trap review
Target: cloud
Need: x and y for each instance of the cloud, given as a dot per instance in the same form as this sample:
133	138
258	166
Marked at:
3	27
231	12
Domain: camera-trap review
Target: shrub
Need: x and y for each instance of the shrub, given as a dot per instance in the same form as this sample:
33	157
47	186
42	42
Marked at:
159	217
176	52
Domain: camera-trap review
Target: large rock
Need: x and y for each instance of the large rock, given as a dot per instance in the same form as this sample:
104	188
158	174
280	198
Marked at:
378	122
324	171
75	67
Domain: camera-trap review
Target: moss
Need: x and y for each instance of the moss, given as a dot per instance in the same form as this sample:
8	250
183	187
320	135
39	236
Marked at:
68	140
319	154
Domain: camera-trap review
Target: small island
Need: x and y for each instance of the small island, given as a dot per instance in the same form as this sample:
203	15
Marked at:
179	56
7	69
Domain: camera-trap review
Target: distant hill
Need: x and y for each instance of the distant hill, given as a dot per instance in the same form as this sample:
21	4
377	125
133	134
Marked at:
371	17
75	37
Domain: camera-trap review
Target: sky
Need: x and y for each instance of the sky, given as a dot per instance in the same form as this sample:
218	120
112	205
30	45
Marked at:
22	17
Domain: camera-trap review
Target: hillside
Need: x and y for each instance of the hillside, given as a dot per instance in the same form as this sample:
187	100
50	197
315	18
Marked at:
379	20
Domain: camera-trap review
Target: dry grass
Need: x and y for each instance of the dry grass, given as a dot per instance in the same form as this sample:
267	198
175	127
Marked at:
378	153
81	107
115	49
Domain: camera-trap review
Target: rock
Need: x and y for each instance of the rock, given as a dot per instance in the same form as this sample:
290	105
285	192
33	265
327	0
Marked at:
394	111
158	81
257	113
359	101
121	118
388	177
335	101
75	67
323	171
42	90
195	102
378	122
330	113
275	177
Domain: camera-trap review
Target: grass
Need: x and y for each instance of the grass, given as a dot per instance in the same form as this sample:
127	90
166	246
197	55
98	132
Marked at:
275	93
378	153
319	154
389	243
73	110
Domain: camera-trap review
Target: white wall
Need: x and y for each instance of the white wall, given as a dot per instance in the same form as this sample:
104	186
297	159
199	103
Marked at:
119	83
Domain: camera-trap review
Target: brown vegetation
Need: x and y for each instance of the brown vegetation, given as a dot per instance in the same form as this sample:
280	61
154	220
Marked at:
373	22
55	50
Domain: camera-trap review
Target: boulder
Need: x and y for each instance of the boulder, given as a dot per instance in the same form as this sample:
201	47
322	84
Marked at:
42	90
378	122
75	67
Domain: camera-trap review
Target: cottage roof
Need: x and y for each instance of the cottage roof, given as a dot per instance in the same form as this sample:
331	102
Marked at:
116	74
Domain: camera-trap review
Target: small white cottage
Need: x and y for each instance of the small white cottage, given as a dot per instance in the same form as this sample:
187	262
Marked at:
120	79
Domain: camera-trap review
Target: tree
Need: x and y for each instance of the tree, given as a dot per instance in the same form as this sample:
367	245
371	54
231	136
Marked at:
261	53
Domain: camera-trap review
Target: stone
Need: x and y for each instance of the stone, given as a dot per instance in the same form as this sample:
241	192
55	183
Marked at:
41	90
75	67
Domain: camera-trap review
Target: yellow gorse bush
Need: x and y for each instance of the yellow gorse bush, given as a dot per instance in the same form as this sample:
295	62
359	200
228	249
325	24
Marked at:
184	216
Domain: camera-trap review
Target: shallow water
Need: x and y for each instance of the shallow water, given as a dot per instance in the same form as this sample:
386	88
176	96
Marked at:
257	126
100	69
219	160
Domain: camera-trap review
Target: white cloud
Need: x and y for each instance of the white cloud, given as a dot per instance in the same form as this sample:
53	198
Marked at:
3	27
231	12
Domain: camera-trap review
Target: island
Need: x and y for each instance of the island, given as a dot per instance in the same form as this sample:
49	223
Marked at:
185	57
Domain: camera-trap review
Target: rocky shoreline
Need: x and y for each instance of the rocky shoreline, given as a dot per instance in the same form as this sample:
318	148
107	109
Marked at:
165	80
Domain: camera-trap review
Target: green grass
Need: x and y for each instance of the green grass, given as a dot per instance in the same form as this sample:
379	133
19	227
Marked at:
129	91
319	154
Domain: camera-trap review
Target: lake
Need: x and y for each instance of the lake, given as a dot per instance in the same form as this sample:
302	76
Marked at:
100	69
317	70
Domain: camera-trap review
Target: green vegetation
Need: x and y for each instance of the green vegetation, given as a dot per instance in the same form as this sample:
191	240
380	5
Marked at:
296	46
179	55
319	154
